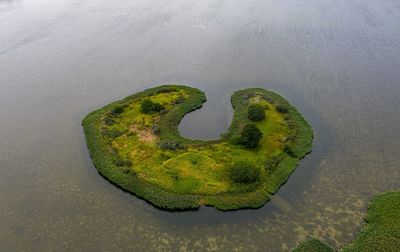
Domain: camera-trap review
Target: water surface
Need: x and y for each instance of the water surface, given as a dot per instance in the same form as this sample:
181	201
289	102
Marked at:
337	61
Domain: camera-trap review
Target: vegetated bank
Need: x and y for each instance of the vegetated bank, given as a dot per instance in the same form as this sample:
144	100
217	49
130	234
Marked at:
380	233
135	143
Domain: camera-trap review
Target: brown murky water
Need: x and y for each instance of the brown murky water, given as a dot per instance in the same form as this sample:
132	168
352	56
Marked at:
337	61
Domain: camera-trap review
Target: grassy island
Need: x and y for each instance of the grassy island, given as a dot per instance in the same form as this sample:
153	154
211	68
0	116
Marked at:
135	143
380	233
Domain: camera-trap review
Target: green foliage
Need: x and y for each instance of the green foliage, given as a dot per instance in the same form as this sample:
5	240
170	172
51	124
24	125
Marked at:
272	163
313	245
148	107
243	172
117	110
380	233
190	165
171	145
382	230
256	112
251	136
113	133
282	109
108	121
123	162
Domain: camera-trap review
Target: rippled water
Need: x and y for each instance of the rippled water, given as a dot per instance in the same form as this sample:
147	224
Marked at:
337	61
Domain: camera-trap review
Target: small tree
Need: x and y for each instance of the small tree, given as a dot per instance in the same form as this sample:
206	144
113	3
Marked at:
117	110
149	107
256	112
244	173
251	136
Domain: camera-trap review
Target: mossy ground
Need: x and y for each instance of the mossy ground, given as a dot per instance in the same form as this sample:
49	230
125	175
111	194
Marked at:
380	233
177	173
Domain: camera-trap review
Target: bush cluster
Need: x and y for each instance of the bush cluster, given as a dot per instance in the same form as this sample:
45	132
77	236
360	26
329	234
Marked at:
281	109
171	145
256	112
113	133
289	149
148	107
117	110
244	173
251	136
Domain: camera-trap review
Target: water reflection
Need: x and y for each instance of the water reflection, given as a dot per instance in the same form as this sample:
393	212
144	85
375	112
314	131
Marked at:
336	61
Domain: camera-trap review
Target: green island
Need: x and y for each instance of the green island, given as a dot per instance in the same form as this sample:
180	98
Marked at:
380	233
135	144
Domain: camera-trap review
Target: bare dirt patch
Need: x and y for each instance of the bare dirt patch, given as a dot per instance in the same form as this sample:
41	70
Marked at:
144	134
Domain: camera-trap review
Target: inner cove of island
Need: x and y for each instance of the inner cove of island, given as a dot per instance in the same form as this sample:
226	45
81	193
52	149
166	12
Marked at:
135	144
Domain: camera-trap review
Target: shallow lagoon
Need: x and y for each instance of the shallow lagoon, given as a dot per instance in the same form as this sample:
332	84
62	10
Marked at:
337	62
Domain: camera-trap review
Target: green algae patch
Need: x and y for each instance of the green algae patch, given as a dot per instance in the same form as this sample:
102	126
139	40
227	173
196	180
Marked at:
135	143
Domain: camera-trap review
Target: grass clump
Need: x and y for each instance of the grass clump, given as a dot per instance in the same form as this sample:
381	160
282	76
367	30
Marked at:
256	112
112	133
117	110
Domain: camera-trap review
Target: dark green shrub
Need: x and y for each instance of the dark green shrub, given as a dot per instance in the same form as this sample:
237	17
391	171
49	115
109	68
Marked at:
146	106
179	100
289	149
109	121
117	110
272	163
244	173
281	109
113	133
123	162
157	107
171	145
251	136
256	112
149	107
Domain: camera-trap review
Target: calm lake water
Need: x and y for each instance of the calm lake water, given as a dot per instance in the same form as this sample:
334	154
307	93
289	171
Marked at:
338	62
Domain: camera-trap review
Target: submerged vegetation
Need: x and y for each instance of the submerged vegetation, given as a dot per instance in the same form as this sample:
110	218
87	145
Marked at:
382	229
313	245
135	143
148	107
380	233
